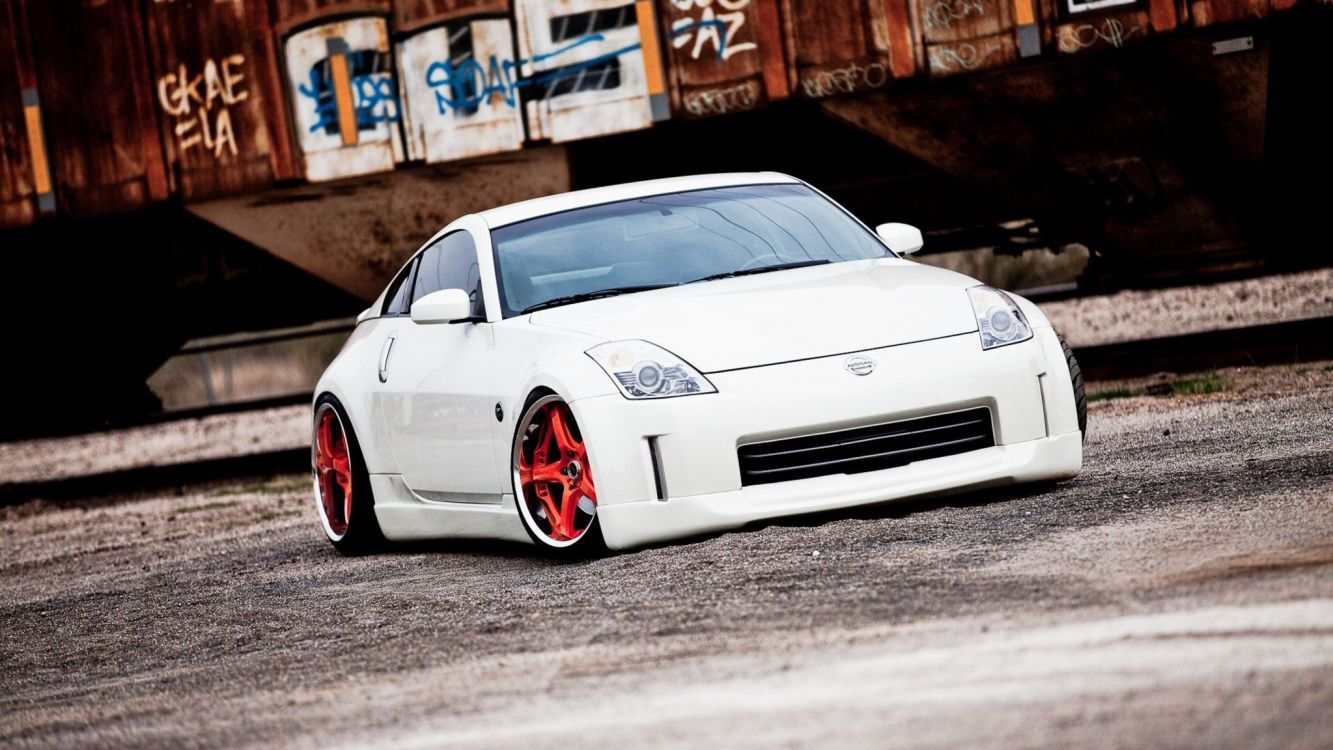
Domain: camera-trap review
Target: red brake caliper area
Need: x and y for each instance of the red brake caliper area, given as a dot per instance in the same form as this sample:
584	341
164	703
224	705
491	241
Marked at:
333	471
557	477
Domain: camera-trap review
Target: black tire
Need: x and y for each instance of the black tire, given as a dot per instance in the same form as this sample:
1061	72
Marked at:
590	543
362	535
1080	394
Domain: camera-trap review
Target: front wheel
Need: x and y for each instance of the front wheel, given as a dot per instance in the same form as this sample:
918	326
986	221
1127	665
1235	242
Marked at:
553	478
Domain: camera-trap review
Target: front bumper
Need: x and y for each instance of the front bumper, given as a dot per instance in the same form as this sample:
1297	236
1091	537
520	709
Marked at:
1026	387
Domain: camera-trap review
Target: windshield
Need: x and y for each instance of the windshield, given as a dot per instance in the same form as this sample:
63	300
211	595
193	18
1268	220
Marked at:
664	240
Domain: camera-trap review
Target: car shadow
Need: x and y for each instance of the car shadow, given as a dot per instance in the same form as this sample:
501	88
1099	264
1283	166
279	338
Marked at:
893	509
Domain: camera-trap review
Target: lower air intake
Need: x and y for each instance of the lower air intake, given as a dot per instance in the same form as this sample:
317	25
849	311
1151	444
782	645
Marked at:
861	449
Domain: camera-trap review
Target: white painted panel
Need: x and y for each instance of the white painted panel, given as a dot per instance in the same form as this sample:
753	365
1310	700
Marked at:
461	94
374	92
588	113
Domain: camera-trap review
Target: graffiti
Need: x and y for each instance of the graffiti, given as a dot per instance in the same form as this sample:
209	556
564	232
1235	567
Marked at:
201	104
721	101
960	57
374	91
1110	31
345	103
845	80
464	84
942	14
447	74
718	29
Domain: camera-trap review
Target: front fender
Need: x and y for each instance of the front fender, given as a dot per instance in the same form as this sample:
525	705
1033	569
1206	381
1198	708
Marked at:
348	378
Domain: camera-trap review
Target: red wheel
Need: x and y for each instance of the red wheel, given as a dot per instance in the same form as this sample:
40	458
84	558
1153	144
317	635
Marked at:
333	472
342	487
553	477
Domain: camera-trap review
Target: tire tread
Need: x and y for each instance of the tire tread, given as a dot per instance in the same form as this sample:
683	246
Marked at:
1080	391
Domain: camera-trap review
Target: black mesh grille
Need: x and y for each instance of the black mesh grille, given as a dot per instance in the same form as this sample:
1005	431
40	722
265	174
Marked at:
866	448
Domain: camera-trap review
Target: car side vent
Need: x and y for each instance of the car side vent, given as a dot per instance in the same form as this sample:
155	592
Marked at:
864	449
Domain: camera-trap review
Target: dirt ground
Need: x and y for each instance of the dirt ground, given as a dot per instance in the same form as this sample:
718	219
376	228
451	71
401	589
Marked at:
1178	593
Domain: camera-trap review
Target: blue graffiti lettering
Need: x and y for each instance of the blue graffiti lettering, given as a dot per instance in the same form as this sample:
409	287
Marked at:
374	92
469	84
461	87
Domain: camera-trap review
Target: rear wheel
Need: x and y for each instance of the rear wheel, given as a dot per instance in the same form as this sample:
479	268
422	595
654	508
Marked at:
553	479
1080	394
342	486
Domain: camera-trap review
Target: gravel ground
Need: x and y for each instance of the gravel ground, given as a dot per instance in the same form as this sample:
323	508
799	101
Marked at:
1178	593
218	436
1133	314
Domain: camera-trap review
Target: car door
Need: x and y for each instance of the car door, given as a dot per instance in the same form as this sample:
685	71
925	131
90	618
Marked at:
439	395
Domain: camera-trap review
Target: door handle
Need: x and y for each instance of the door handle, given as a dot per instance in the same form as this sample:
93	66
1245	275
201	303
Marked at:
384	359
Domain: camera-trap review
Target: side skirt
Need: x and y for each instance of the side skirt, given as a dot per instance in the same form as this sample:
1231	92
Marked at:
402	517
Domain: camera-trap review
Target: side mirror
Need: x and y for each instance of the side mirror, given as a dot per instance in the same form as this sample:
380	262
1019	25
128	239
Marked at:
444	306
903	239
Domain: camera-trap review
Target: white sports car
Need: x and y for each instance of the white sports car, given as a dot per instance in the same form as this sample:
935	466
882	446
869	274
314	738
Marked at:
644	362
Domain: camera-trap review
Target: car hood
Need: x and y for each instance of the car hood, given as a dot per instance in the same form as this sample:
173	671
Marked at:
782	316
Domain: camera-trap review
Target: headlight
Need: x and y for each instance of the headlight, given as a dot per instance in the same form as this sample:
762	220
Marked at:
998	318
642	370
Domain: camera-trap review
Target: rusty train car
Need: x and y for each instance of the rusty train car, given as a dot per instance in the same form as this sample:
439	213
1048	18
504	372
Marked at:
224	164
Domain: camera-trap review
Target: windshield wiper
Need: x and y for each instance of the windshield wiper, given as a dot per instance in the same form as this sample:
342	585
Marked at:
760	269
569	299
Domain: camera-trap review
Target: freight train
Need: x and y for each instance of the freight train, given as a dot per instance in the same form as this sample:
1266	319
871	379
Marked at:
177	168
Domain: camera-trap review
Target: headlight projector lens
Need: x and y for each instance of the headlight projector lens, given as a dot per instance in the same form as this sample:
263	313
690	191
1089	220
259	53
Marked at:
644	370
999	320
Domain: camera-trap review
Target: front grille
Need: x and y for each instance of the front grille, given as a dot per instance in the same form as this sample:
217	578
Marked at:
880	446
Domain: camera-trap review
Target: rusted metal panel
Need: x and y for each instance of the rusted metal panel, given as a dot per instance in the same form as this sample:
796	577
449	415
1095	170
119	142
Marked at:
1209	12
410	15
944	21
290	15
837	46
726	55
1103	31
97	104
963	36
220	113
460	92
18	189
344	98
1163	15
971	55
1085	25
589	67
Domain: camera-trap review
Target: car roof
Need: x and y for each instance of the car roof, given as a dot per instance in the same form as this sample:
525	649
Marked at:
551	204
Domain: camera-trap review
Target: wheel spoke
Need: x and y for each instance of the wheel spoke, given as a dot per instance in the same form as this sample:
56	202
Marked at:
543	494
569	508
547	472
341	465
586	487
563	437
543	444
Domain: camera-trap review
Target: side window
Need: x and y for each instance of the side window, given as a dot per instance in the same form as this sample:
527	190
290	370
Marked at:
396	301
451	263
